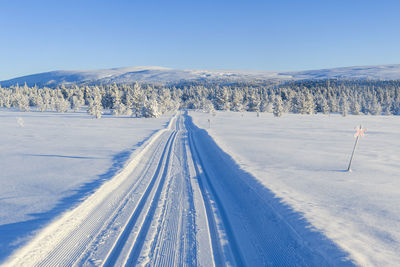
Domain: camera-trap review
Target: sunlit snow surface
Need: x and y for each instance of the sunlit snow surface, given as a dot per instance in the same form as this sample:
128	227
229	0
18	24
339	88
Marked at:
303	158
50	161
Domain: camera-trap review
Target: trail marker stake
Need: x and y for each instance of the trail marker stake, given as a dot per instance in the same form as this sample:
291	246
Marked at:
360	132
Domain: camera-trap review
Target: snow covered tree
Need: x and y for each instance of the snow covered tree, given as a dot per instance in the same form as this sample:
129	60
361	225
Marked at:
129	102
41	104
118	108
253	101
278	106
355	107
62	105
150	109
322	105
23	102
165	101
344	106
138	100
76	103
305	103
7	100
264	103
267	103
237	101
222	99
304	97
333	104
375	108
95	107
208	106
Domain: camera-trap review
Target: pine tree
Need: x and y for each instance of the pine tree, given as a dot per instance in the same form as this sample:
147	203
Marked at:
62	105
264	103
278	106
322	105
237	101
222	99
138	99
355	107
164	100
151	109
118	108
253	102
23	102
208	106
333	104
375	107
344	106
95	107
76	103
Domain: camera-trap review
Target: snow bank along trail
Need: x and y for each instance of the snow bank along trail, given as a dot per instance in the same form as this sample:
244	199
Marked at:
179	202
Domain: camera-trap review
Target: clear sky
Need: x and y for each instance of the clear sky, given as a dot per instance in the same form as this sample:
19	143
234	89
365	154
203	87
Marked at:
38	36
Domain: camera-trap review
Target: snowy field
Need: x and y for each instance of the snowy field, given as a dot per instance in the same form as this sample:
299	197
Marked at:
302	159
180	201
109	194
50	161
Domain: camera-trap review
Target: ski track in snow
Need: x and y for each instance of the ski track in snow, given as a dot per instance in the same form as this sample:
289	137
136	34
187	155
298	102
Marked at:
180	202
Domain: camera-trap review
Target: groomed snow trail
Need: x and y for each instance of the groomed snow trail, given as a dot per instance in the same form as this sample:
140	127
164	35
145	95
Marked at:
177	203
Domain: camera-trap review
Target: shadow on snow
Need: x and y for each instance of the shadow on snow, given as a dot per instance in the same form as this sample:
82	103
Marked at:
267	231
14	235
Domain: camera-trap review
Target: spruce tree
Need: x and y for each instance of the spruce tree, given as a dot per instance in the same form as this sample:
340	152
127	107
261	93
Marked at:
278	106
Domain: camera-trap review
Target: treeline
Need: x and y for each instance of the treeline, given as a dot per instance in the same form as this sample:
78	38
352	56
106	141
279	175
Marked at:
146	100
132	100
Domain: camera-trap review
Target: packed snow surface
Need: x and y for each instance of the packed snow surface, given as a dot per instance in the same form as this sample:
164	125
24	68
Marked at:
302	159
49	162
165	75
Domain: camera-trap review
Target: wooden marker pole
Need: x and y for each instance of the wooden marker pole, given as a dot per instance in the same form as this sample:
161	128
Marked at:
360	132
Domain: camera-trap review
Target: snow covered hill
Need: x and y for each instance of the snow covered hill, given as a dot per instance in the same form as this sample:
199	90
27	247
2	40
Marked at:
163	75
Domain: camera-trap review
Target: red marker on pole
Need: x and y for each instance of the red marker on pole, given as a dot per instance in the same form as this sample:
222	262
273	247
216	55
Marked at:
360	132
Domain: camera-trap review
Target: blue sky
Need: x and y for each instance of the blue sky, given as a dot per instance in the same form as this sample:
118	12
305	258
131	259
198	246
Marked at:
37	36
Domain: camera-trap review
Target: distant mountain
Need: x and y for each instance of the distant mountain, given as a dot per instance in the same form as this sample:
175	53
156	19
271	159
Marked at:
165	75
378	72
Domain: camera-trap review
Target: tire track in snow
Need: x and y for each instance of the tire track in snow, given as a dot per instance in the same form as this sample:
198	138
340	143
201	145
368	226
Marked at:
67	238
265	231
174	241
112	222
189	238
115	252
221	256
88	233
137	247
164	242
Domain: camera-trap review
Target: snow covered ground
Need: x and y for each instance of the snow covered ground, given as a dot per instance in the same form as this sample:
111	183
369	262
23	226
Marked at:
302	159
50	161
179	201
267	192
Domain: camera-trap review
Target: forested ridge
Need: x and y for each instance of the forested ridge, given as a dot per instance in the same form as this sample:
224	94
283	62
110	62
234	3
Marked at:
151	100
